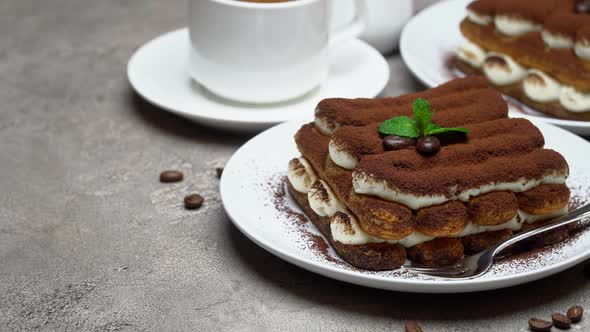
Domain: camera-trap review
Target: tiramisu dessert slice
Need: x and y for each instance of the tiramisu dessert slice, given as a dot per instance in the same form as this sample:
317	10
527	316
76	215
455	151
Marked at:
537	51
429	176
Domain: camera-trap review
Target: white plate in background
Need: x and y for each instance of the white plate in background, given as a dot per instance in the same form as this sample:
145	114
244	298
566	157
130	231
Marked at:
432	36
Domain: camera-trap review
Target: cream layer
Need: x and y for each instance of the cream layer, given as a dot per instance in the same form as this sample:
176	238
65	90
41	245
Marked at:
346	229
366	185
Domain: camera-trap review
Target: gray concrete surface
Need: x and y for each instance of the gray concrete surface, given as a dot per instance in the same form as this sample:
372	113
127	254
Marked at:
89	240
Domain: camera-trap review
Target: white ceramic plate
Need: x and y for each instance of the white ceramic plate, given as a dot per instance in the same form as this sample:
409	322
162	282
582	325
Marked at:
158	71
432	36
251	192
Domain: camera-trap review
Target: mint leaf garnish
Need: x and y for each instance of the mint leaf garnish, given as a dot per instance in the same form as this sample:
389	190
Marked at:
401	126
421	125
446	130
432	127
422	114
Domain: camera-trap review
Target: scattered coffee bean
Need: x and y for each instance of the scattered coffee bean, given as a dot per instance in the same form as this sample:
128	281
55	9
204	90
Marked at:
219	171
193	201
412	327
575	313
171	176
560	321
539	325
393	142
428	145
583	6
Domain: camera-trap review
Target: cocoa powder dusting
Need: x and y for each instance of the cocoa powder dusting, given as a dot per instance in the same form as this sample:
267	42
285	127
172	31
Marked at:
276	185
483	7
320	247
577	200
345	112
279	199
454	174
519	259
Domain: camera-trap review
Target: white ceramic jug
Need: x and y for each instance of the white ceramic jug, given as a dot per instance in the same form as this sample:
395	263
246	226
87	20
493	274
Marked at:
386	20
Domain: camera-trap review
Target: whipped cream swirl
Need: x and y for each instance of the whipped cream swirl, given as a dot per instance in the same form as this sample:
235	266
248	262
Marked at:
541	88
514	26
478	18
556	40
582	49
472	54
574	100
501	69
341	157
323	201
301	175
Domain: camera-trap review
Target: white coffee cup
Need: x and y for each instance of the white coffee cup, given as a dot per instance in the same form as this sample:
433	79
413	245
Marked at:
264	52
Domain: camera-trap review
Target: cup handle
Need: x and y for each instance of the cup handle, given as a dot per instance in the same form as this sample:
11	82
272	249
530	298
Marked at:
355	28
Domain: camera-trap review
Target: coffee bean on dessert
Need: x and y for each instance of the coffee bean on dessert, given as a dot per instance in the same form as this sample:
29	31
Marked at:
561	321
575	313
193	201
171	176
412	327
219	171
583	6
393	142
429	145
539	325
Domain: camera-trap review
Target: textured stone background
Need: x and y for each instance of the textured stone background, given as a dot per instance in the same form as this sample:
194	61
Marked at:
89	240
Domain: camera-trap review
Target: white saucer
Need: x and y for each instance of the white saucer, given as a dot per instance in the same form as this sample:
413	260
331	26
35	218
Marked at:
158	72
250	190
432	36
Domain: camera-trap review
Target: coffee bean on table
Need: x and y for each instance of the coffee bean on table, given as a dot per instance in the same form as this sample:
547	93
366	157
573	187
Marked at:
412	327
561	321
194	201
575	313
171	176
428	145
219	171
539	325
393	142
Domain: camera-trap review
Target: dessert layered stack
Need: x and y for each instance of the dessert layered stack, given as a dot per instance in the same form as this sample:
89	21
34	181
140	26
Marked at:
535	51
378	207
